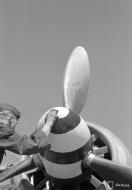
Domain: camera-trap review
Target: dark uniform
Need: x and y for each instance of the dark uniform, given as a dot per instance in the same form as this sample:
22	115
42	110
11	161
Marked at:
22	144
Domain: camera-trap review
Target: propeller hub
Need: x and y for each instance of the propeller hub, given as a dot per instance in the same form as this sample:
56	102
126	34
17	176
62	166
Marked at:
70	140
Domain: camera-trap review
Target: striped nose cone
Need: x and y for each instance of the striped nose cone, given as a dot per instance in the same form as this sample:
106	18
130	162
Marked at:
70	142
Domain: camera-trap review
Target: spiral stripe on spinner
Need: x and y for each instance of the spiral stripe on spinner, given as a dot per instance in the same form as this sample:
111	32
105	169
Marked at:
65	124
72	140
69	157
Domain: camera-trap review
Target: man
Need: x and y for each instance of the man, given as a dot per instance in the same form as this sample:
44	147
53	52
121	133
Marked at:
23	144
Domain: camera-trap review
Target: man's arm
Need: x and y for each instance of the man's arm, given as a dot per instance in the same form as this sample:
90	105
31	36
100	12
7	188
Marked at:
22	144
36	143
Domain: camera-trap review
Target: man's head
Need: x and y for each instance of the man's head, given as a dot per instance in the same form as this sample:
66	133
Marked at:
9	115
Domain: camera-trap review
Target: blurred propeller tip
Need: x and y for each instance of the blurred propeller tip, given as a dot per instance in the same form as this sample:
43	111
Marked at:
76	80
80	50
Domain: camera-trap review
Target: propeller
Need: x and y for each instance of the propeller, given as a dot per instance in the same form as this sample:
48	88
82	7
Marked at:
75	89
76	80
109	170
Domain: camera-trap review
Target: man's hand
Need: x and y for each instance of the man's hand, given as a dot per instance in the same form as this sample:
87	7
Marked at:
50	121
47	122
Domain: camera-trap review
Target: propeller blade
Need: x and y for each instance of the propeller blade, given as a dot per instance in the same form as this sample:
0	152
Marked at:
109	170
76	80
19	168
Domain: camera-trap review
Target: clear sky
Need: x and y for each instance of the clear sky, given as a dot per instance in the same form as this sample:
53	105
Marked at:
36	39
